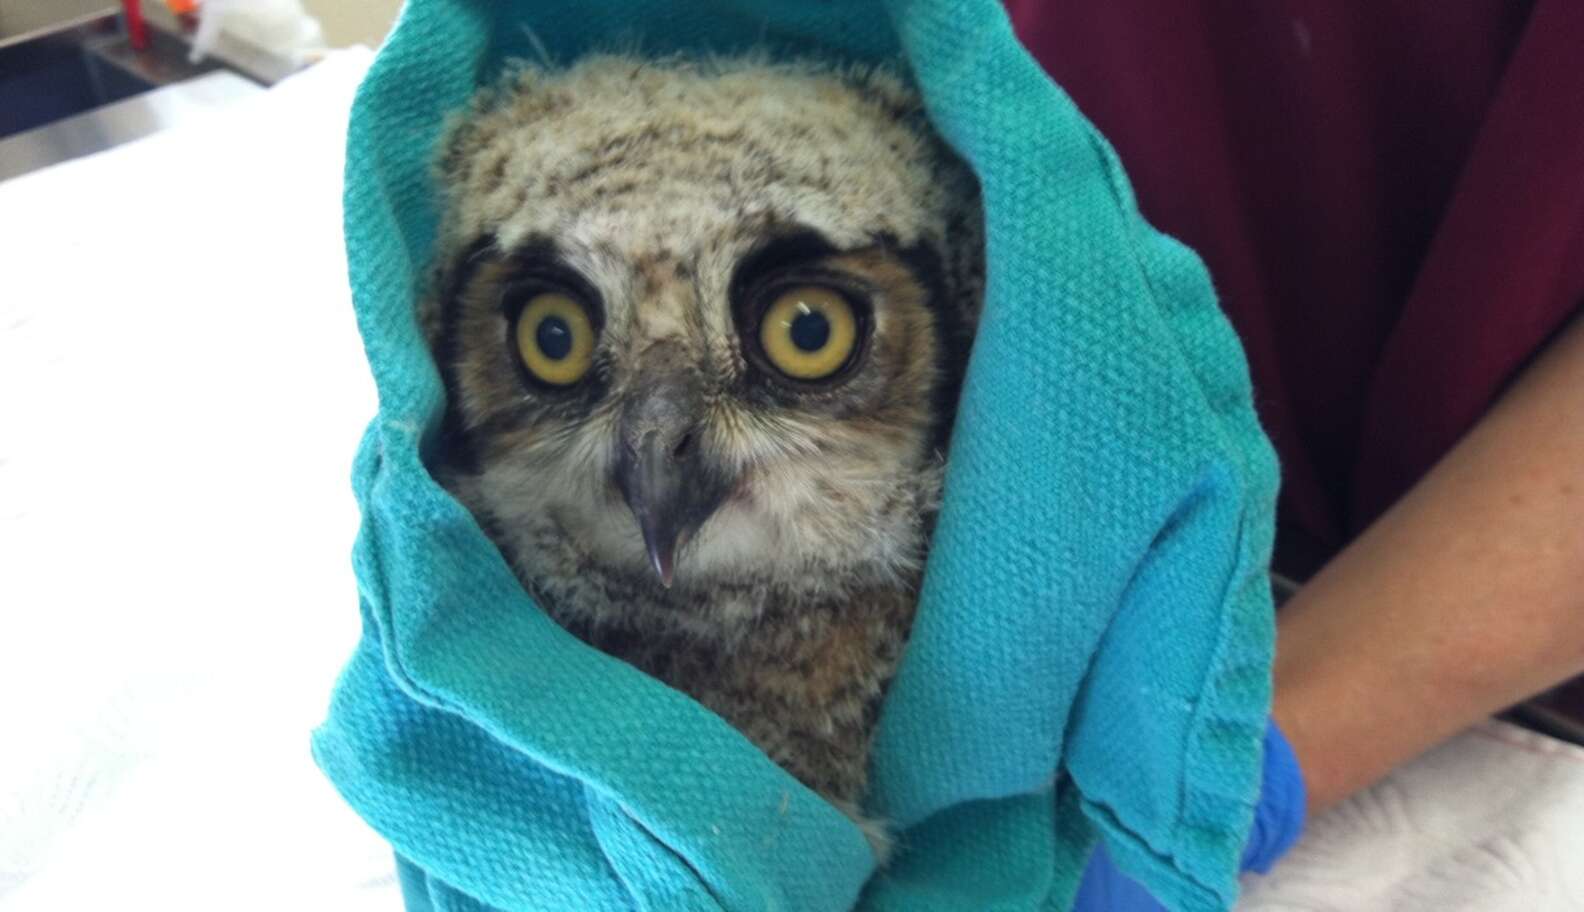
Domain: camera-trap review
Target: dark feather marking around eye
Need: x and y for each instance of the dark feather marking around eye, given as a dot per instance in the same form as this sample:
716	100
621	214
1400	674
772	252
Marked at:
788	249
953	336
533	251
454	447
539	265
795	248
533	266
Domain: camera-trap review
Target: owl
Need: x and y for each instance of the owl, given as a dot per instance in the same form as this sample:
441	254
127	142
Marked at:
701	325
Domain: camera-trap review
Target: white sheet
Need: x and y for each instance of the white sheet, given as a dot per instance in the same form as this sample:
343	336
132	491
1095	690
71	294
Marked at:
181	391
1489	822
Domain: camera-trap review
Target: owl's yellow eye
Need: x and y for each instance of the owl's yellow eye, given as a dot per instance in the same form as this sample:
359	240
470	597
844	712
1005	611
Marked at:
808	332
555	339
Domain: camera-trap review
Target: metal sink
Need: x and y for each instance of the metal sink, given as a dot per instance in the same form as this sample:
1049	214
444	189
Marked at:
78	87
51	74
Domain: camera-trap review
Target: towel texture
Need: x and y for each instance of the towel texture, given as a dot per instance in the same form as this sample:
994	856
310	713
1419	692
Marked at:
1092	649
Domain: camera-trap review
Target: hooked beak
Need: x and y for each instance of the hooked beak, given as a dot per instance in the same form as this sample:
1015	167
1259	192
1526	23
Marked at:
662	474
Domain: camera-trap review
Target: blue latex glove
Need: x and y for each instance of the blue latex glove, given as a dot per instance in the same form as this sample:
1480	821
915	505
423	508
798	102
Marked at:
1278	820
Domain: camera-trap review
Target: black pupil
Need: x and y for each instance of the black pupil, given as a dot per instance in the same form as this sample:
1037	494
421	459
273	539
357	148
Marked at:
554	337
810	331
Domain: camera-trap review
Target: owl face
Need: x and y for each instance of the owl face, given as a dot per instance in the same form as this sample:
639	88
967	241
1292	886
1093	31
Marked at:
698	328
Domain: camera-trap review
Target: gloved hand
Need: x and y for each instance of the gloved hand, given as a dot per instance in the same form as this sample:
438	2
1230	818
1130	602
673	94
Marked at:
1278	821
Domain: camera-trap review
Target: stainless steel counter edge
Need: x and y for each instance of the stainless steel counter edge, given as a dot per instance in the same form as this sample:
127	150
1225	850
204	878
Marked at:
109	126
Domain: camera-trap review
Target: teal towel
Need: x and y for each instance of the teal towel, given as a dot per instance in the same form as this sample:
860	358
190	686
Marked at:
1092	651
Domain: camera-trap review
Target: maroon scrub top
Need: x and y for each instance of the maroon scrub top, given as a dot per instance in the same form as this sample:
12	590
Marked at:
1389	196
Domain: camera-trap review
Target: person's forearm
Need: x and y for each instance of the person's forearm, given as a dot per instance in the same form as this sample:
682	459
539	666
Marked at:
1466	597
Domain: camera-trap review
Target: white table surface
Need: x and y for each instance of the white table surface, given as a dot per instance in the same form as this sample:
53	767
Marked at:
181	392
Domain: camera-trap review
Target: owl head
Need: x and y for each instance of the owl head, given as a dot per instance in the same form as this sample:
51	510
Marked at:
701	325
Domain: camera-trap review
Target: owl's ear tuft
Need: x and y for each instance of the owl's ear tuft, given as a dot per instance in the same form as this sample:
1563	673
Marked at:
964	248
460	140
522	94
473	168
885	89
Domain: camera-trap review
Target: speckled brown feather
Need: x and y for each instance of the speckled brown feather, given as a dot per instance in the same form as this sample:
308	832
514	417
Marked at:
655	182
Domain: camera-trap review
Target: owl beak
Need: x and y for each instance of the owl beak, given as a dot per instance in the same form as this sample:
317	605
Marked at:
668	487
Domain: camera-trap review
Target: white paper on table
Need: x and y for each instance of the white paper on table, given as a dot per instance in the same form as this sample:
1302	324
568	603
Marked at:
181	391
1491	821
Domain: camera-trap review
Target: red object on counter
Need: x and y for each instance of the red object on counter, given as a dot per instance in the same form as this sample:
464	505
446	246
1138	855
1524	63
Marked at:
137	29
